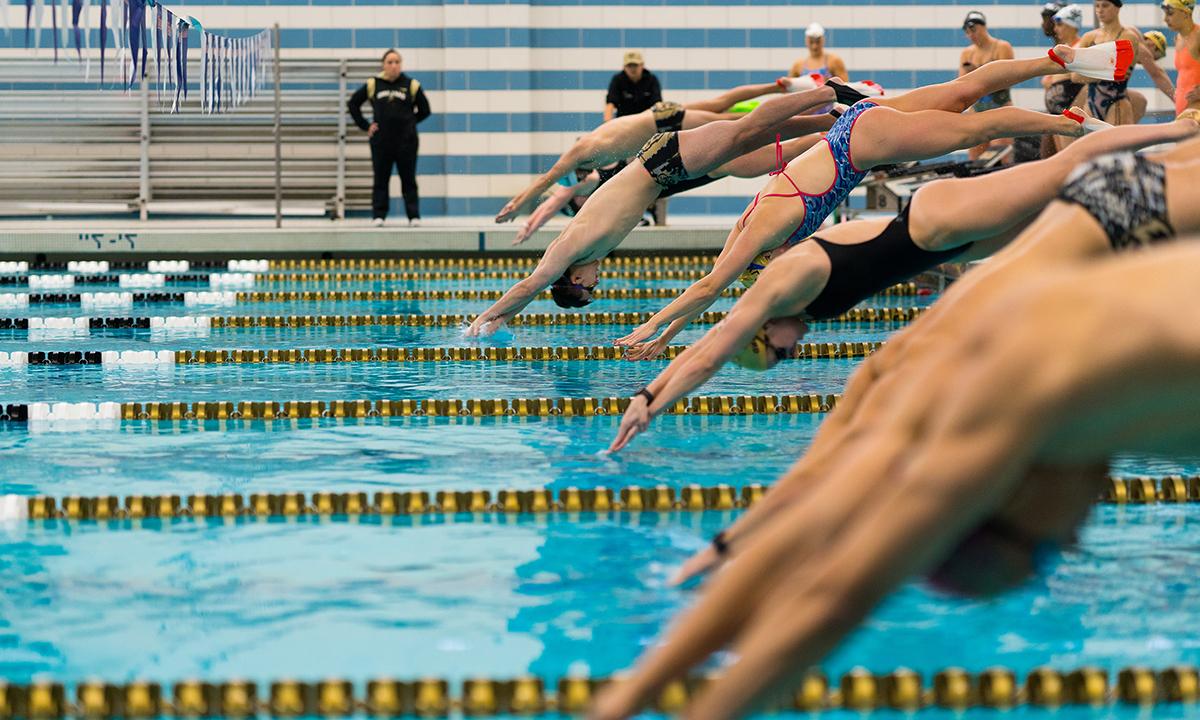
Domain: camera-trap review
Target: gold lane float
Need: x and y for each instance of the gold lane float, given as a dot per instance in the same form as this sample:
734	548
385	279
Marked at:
660	498
857	690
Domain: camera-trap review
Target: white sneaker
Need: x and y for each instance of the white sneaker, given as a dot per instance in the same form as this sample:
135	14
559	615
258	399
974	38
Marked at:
414	222
377	222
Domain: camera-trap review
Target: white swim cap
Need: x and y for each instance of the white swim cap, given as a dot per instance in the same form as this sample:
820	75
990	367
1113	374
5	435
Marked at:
1070	15
814	31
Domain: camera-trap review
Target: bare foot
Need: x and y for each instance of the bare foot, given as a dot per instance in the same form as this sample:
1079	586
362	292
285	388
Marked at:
1076	122
1066	53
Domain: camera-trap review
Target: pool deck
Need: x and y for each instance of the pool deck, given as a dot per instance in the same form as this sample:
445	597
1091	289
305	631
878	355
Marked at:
198	239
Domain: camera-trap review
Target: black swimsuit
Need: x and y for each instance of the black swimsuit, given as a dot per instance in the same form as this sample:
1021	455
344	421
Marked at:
860	270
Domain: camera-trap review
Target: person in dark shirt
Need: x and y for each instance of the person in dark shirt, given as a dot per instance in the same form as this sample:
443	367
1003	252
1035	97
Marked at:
632	90
398	103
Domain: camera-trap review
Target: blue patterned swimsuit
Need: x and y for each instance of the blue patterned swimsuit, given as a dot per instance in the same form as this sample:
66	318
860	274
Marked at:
846	177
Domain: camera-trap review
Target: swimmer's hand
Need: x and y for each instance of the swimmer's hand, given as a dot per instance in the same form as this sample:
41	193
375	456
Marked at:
647	350
510	210
483	326
634	422
523	234
644	332
618	700
698	564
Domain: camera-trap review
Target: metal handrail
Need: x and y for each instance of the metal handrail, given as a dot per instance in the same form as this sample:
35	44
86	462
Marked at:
66	143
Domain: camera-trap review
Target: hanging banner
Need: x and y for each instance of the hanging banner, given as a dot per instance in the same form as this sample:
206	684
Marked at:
103	35
76	13
144	32
53	28
136	34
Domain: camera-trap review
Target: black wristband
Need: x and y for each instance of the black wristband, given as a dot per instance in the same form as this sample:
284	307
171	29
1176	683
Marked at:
645	392
720	544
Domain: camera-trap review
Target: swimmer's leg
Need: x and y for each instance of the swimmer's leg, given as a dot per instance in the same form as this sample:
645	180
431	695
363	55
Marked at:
961	93
704	148
765	159
729	98
1182	153
693	119
949	213
882	135
1139	103
1183	200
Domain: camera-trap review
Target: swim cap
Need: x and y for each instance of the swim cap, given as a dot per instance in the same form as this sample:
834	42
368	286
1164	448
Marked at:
757	355
1051	8
1070	15
744	107
974	18
990	560
815	31
1186	6
749	276
567	294
1157	42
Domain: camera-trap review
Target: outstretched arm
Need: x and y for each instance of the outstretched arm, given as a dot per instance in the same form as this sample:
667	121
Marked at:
551	267
559	197
582	150
697	364
732	262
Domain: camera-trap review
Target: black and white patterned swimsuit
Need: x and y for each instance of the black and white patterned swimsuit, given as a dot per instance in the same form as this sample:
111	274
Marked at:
1127	194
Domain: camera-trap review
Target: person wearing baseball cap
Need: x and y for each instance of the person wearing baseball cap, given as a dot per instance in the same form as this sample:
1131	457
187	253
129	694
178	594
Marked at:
818	61
984	49
633	90
1178	16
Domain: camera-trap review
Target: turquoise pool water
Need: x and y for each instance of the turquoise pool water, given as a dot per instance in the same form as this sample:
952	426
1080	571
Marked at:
464	596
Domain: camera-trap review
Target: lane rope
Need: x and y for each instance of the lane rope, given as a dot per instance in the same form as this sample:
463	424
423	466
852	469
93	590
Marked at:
475	407
67	358
83	325
659	498
857	690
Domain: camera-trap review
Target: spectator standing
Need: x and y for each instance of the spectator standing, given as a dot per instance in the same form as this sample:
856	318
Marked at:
984	49
398	104
633	90
818	61
1178	16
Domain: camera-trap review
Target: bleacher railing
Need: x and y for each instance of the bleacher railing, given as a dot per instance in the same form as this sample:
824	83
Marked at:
68	146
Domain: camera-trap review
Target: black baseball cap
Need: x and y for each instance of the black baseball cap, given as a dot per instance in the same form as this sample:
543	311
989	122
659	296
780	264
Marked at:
974	18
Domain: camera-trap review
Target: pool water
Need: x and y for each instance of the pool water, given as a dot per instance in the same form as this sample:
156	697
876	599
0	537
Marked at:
475	595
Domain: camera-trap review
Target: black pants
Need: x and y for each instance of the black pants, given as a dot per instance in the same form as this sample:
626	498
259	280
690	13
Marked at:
386	152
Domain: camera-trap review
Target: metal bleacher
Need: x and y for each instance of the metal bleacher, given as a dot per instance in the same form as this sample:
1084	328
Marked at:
68	147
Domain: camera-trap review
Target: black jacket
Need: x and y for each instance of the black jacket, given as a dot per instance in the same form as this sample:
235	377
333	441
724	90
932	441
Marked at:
631	98
396	105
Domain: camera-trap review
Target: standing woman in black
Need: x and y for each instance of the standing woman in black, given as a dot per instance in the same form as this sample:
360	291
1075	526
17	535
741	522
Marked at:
398	103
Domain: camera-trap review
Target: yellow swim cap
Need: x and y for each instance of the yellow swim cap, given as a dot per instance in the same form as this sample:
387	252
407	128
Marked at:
758	355
1157	42
749	276
1186	6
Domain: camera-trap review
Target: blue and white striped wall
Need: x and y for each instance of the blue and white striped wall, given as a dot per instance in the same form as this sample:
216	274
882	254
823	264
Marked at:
512	83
